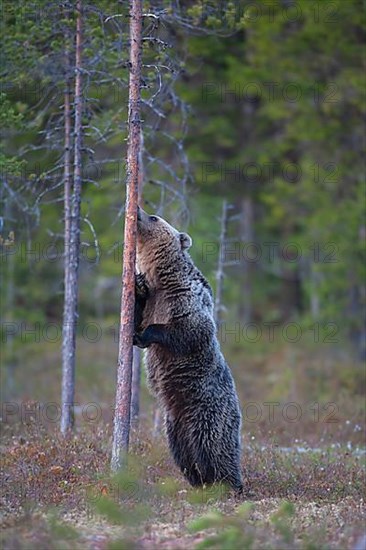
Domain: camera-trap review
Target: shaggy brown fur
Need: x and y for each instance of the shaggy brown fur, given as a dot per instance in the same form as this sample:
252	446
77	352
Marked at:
186	370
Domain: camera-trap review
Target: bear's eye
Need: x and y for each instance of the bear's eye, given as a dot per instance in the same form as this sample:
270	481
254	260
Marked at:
153	218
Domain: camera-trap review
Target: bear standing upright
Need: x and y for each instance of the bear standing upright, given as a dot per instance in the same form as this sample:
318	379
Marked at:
185	367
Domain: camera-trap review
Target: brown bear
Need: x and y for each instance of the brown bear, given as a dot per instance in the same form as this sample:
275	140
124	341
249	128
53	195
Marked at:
185	367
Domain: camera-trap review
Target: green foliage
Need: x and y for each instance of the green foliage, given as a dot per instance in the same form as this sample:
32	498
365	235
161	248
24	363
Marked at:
232	530
281	521
110	510
239	530
124	505
122	544
205	495
10	119
60	530
168	487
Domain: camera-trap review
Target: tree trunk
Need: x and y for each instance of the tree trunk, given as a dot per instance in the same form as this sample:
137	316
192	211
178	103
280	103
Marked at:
247	236
136	364
9	308
220	264
122	415
315	280
291	284
72	233
356	318
156	422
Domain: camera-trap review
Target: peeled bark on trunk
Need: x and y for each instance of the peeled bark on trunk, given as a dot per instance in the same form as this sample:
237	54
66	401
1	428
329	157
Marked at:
122	415
72	234
220	264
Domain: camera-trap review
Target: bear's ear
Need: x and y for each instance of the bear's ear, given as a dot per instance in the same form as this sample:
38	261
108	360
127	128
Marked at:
185	241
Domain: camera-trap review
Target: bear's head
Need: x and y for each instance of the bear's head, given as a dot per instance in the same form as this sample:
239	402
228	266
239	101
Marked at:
158	241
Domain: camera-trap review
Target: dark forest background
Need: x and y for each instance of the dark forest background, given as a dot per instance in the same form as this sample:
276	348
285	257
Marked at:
261	105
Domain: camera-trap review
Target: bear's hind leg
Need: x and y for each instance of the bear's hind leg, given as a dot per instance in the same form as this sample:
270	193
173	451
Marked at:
181	454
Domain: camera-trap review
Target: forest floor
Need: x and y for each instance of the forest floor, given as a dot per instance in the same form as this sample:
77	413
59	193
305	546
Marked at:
58	493
303	460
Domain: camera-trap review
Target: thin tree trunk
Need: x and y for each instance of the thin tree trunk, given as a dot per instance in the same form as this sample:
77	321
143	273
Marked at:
122	415
220	264
156	422
315	280
9	308
136	364
291	293
72	234
247	235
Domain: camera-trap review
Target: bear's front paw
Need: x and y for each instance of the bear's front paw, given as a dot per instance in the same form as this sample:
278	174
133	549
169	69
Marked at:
139	341
141	288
